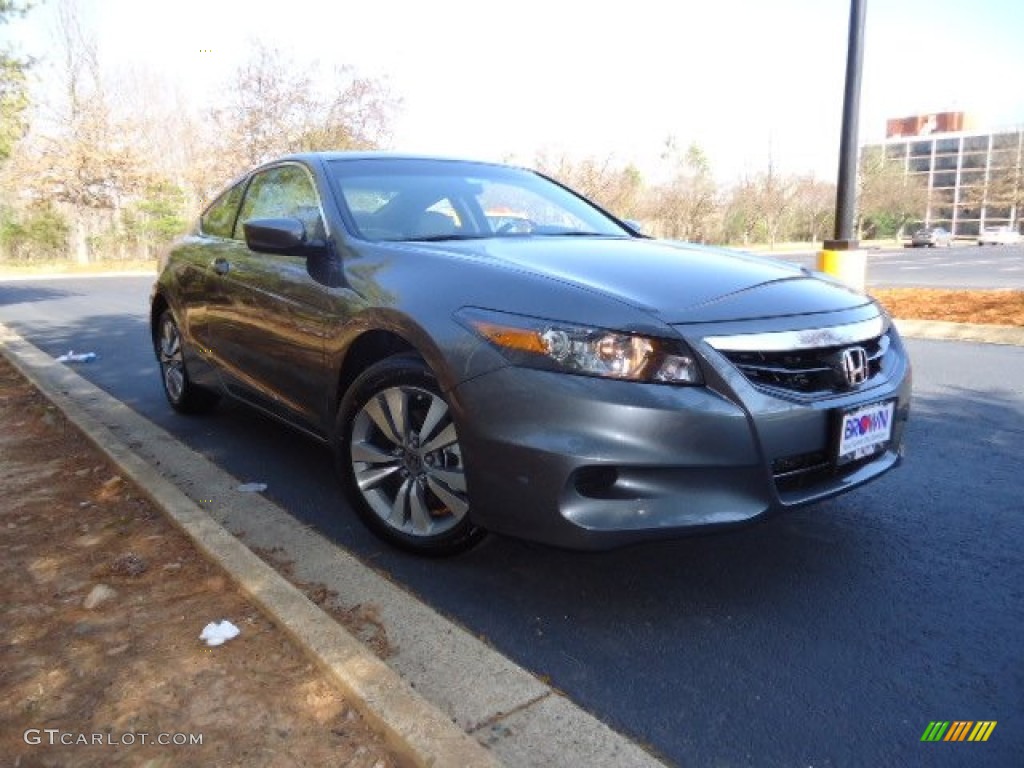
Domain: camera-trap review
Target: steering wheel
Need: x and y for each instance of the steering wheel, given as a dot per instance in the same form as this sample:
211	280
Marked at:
523	226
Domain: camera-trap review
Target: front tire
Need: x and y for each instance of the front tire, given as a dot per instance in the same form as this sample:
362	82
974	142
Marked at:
181	393
399	456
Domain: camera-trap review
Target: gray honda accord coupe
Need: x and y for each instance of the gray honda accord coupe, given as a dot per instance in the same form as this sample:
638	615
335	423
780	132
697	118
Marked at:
485	350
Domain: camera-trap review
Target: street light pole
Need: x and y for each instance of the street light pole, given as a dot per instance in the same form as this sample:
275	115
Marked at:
841	256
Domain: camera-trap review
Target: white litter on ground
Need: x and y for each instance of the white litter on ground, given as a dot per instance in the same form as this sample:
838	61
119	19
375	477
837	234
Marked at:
71	357
252	487
217	633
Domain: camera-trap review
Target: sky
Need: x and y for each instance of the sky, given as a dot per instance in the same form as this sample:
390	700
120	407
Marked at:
749	81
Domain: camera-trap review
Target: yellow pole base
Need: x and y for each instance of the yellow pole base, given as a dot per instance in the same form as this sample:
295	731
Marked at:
851	267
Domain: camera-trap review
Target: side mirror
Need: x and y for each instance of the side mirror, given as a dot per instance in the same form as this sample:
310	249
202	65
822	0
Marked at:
275	235
636	226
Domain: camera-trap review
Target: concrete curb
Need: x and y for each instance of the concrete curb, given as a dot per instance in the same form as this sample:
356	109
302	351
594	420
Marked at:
945	331
413	727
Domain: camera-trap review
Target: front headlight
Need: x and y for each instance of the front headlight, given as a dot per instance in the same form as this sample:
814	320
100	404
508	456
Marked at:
588	351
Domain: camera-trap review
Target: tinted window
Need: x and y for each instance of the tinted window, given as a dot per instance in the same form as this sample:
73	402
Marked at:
920	164
921	149
219	219
286	191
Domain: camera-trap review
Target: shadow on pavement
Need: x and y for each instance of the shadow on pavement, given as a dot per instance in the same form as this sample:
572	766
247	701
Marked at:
18	293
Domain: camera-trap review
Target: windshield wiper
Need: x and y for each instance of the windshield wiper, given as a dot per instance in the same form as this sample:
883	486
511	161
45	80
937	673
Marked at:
442	238
577	233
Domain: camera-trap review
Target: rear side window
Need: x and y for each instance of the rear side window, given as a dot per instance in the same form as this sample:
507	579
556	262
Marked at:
219	218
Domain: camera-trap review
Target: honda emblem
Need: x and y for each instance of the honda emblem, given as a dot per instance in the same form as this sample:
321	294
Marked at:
855	365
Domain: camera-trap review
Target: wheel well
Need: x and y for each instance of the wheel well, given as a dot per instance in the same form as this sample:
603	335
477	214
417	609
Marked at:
370	348
157	309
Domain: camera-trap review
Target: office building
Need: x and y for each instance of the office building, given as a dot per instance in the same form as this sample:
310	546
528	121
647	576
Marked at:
973	175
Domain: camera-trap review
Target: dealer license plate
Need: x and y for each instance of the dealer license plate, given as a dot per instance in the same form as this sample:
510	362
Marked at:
865	431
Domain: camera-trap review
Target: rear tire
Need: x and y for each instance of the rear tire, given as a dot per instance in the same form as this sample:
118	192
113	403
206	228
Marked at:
183	395
399	456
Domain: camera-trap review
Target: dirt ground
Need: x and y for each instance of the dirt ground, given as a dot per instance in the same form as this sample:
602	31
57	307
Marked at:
985	307
131	671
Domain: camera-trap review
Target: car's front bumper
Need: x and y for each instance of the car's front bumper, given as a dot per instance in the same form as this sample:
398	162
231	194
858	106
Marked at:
592	463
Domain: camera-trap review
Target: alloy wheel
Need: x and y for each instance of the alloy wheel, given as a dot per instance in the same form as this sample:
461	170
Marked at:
407	463
172	362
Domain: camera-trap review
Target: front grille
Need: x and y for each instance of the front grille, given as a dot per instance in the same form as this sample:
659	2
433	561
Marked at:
791	466
799	473
807	372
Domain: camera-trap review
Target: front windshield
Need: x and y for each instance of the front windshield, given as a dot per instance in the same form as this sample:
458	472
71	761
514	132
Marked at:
391	199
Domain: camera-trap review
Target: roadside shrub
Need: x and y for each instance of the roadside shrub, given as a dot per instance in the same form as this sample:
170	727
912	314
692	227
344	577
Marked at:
39	233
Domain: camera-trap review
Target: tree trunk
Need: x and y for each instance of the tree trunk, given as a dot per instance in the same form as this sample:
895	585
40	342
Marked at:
79	241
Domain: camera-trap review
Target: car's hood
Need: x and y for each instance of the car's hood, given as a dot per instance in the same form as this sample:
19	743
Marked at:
677	282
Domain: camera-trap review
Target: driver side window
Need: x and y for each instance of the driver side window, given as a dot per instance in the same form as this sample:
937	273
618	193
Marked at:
286	191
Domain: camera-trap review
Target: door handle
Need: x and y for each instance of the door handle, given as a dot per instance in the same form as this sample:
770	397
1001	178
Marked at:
221	266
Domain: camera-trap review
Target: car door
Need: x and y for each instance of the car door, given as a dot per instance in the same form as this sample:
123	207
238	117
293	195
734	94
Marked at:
196	257
268	326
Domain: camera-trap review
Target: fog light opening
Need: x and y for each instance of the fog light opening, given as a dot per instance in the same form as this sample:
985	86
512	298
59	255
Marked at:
597	482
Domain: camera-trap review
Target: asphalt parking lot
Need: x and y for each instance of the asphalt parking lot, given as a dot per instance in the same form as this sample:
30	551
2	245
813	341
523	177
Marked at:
965	265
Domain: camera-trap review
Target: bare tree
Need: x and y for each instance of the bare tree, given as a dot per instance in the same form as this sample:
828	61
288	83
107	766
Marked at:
1003	188
739	212
686	208
275	106
1006	189
773	200
614	187
813	208
888	198
126	161
85	162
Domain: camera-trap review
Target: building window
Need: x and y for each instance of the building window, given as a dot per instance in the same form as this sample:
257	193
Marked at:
974	161
1006	141
976	144
972	178
896	151
921	149
1004	158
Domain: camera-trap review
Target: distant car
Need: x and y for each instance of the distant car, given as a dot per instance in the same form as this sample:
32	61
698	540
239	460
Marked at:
999	236
549	375
931	237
